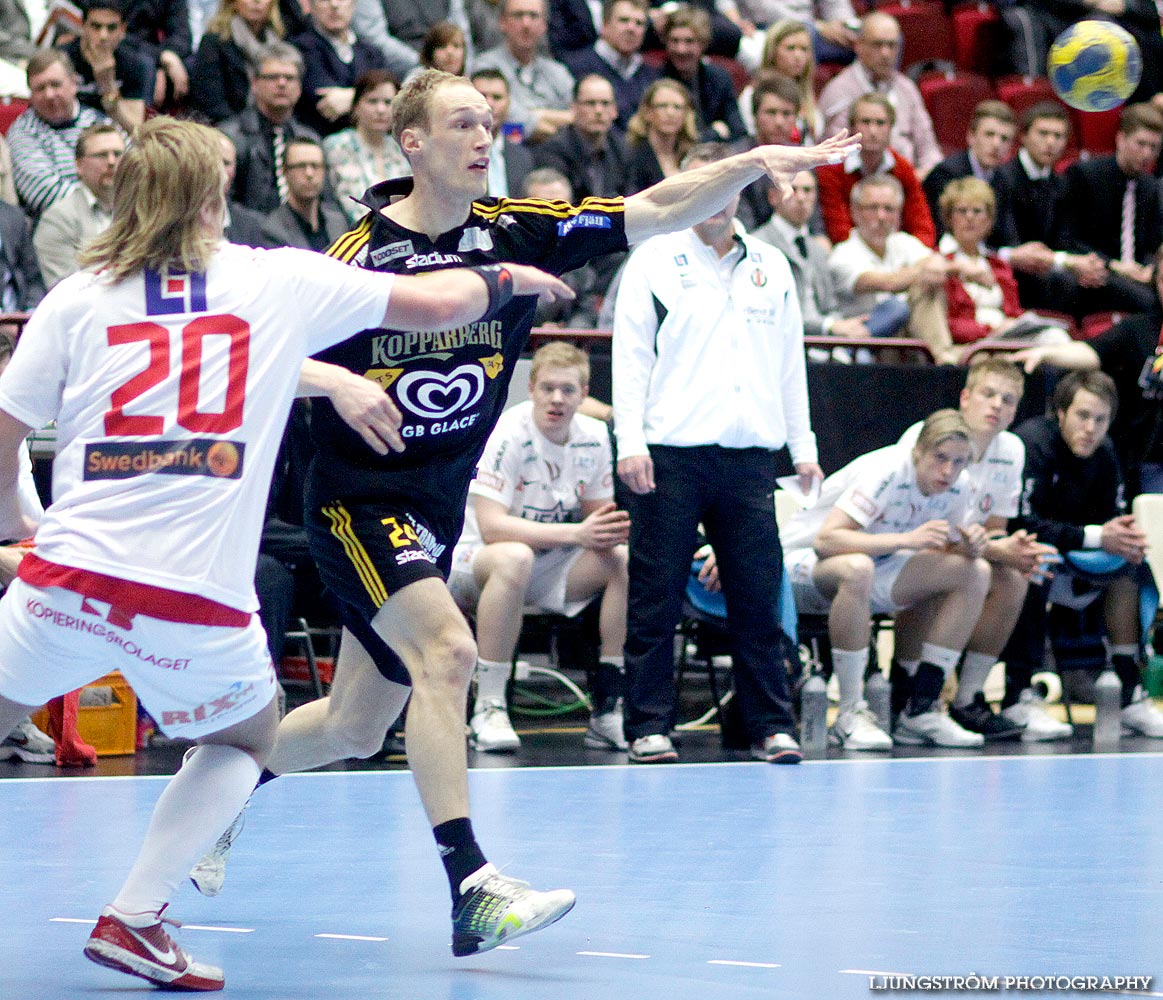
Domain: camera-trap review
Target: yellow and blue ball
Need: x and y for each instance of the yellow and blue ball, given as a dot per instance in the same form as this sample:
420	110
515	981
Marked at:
1094	65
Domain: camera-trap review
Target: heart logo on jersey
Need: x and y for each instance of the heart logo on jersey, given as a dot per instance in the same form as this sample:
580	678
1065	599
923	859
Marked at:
433	395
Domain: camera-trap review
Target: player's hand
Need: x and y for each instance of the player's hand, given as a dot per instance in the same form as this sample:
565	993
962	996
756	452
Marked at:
604	528
808	472
930	535
529	280
782	163
1121	536
971	540
368	410
709	573
637	472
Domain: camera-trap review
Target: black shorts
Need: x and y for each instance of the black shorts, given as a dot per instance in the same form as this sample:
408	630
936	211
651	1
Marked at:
366	552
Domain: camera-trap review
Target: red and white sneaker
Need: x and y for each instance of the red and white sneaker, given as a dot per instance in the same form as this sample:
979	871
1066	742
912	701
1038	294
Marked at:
148	952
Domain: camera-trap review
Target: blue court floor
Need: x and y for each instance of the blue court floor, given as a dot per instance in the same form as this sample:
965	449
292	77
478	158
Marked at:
694	881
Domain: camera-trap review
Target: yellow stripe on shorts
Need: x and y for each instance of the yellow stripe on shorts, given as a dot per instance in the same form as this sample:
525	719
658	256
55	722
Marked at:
341	528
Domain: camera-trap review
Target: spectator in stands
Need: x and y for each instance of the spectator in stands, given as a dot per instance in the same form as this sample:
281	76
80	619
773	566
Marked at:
409	21
878	49
775	110
509	159
883	272
220	76
787	51
587	151
366	153
829	21
114	76
1030	194
540	88
21	285
1073	499
87	210
333	59
371	25
1124	352
787	231
542	530
1112	209
981	293
660	134
709	382
303	220
872	115
160	29
887	533
574	25
262	132
988	403
16	43
444	48
43	139
617	55
243	225
686	35
988	141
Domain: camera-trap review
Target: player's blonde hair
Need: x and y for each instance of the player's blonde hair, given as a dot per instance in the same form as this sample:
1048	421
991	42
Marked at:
171	172
559	354
412	106
940	427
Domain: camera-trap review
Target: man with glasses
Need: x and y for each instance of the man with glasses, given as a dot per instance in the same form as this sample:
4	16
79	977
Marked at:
262	131
304	220
87	211
588	152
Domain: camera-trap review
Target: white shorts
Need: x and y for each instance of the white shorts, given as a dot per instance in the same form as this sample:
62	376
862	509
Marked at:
547	582
799	564
193	679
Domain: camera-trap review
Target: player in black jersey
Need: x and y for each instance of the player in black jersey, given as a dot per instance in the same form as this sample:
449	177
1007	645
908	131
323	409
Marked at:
383	523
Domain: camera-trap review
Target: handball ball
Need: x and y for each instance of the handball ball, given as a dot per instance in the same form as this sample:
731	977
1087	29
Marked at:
1094	65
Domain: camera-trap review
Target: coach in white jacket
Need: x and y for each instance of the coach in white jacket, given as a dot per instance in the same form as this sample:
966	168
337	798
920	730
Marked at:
709	384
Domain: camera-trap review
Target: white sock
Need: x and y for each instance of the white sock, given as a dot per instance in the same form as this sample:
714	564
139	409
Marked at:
198	804
614	661
1126	649
849	665
492	677
975	669
940	656
909	666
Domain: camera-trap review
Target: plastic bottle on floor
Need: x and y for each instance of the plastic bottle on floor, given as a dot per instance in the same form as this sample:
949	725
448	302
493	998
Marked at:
1108	700
814	716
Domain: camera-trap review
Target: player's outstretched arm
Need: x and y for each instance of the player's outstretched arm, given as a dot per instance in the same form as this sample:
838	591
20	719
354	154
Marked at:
444	300
13	523
690	197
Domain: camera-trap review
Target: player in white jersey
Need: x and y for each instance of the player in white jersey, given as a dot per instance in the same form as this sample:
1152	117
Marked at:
988	403
541	530
888	532
169	366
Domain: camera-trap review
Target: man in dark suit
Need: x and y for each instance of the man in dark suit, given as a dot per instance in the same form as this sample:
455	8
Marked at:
1029	216
1112	209
617	55
588	151
21	286
243	226
572	29
509	159
304	220
988	142
262	131
333	59
687	34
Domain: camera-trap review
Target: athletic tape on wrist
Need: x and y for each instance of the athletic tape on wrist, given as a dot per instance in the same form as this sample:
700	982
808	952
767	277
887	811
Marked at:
500	284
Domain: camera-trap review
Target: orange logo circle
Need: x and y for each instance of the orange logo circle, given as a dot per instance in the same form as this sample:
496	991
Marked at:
222	459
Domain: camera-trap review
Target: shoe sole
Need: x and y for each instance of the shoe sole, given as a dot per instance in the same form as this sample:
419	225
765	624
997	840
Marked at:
783	757
918	740
474	947
120	960
669	757
596	741
839	743
493	747
1028	737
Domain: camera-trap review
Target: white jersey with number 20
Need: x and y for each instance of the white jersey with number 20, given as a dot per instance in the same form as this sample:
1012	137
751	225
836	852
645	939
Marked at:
170	393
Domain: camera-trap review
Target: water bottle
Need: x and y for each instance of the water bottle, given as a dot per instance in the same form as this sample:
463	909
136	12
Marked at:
814	716
1108	703
878	694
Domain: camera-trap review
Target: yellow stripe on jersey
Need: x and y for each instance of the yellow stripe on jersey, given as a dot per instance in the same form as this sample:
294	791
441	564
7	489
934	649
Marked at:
539	206
349	244
341	528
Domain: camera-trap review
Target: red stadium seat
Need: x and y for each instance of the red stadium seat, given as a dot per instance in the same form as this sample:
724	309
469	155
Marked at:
1021	92
976	36
11	108
950	98
926	31
1096	323
1096	130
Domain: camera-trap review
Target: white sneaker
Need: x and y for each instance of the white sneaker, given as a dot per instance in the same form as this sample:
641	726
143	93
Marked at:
605	730
652	749
490	729
934	728
857	729
1143	716
1038	725
29	744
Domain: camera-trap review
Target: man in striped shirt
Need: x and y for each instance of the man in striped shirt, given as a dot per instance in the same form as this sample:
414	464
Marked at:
43	139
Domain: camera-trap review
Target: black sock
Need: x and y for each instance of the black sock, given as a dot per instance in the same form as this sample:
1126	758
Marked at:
459	851
902	686
927	684
1128	670
606	683
267	775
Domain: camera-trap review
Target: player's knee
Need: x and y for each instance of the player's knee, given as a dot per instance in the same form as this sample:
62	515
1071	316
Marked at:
856	571
616	562
979	575
1007	585
514	563
448	659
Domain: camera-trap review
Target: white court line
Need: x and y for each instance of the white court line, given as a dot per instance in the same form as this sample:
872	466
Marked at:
609	954
508	947
224	930
350	937
745	965
71	920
